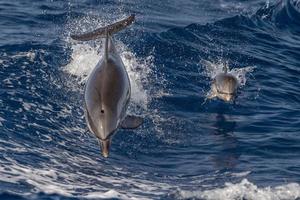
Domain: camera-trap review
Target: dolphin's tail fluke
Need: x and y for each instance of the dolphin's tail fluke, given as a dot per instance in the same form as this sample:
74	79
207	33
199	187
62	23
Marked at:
107	30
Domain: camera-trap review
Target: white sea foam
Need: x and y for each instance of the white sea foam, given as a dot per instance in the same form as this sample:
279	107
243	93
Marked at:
83	59
245	190
30	55
241	174
54	181
109	195
50	180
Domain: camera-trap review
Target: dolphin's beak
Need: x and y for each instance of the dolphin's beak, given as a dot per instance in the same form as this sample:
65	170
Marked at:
105	146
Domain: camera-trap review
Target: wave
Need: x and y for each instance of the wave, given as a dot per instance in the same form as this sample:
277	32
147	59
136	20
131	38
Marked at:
244	190
285	13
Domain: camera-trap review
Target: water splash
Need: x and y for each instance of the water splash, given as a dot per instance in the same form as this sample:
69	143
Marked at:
212	69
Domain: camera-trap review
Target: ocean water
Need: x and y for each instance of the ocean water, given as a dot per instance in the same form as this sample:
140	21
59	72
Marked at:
189	147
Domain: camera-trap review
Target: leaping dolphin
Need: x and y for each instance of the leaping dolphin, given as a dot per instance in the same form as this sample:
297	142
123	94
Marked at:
107	91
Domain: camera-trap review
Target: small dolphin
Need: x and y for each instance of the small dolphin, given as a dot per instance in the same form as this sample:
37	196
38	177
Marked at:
224	86
107	91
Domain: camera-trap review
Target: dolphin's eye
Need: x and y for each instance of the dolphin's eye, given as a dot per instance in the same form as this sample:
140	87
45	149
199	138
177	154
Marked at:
102	111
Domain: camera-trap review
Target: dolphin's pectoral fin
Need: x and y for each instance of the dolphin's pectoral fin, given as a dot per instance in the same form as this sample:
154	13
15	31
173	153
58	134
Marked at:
131	122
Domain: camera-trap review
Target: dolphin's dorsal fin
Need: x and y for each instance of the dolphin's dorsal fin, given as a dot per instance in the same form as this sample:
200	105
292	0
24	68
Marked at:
101	32
131	122
225	69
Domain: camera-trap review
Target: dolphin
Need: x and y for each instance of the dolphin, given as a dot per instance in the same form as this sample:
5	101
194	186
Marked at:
224	86
107	90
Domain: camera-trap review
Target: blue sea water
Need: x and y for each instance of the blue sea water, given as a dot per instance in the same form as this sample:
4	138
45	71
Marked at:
189	147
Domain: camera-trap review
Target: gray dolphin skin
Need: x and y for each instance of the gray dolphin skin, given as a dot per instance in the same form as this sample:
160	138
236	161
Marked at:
107	90
224	86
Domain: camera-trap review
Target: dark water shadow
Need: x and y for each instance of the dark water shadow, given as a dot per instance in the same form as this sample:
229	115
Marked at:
227	153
